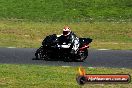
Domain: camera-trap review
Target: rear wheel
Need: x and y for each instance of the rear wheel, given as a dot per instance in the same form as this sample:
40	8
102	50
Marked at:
82	55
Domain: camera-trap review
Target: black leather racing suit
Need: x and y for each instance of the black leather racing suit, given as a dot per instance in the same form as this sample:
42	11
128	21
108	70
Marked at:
72	39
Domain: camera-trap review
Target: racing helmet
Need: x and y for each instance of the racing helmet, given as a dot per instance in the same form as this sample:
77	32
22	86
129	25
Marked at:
66	31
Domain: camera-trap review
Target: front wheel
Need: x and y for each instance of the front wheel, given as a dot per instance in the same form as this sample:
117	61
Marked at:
41	54
82	55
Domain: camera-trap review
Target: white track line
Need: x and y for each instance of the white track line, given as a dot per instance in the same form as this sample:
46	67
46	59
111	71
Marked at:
91	67
66	66
103	49
11	47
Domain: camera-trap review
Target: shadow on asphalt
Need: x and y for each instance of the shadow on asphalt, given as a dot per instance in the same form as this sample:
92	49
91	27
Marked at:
56	60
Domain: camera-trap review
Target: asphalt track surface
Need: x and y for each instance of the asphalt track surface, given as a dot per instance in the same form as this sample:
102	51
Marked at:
96	58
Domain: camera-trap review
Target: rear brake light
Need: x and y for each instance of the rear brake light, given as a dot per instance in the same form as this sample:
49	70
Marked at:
84	47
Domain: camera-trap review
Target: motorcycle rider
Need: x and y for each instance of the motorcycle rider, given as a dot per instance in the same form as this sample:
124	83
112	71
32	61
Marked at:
69	37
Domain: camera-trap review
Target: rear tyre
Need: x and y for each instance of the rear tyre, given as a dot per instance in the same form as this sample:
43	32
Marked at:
82	55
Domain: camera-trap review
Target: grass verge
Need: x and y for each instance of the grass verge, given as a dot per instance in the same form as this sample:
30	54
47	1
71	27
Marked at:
35	76
30	34
67	10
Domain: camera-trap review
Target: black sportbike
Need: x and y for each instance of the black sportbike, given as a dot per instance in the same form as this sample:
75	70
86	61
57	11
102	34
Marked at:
53	48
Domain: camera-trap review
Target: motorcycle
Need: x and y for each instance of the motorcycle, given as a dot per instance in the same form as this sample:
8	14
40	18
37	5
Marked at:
54	48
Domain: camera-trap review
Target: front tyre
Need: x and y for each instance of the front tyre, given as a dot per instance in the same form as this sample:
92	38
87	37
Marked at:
39	53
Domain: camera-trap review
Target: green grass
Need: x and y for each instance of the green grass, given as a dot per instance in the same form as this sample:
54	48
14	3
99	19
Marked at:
25	23
67	10
35	76
30	34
